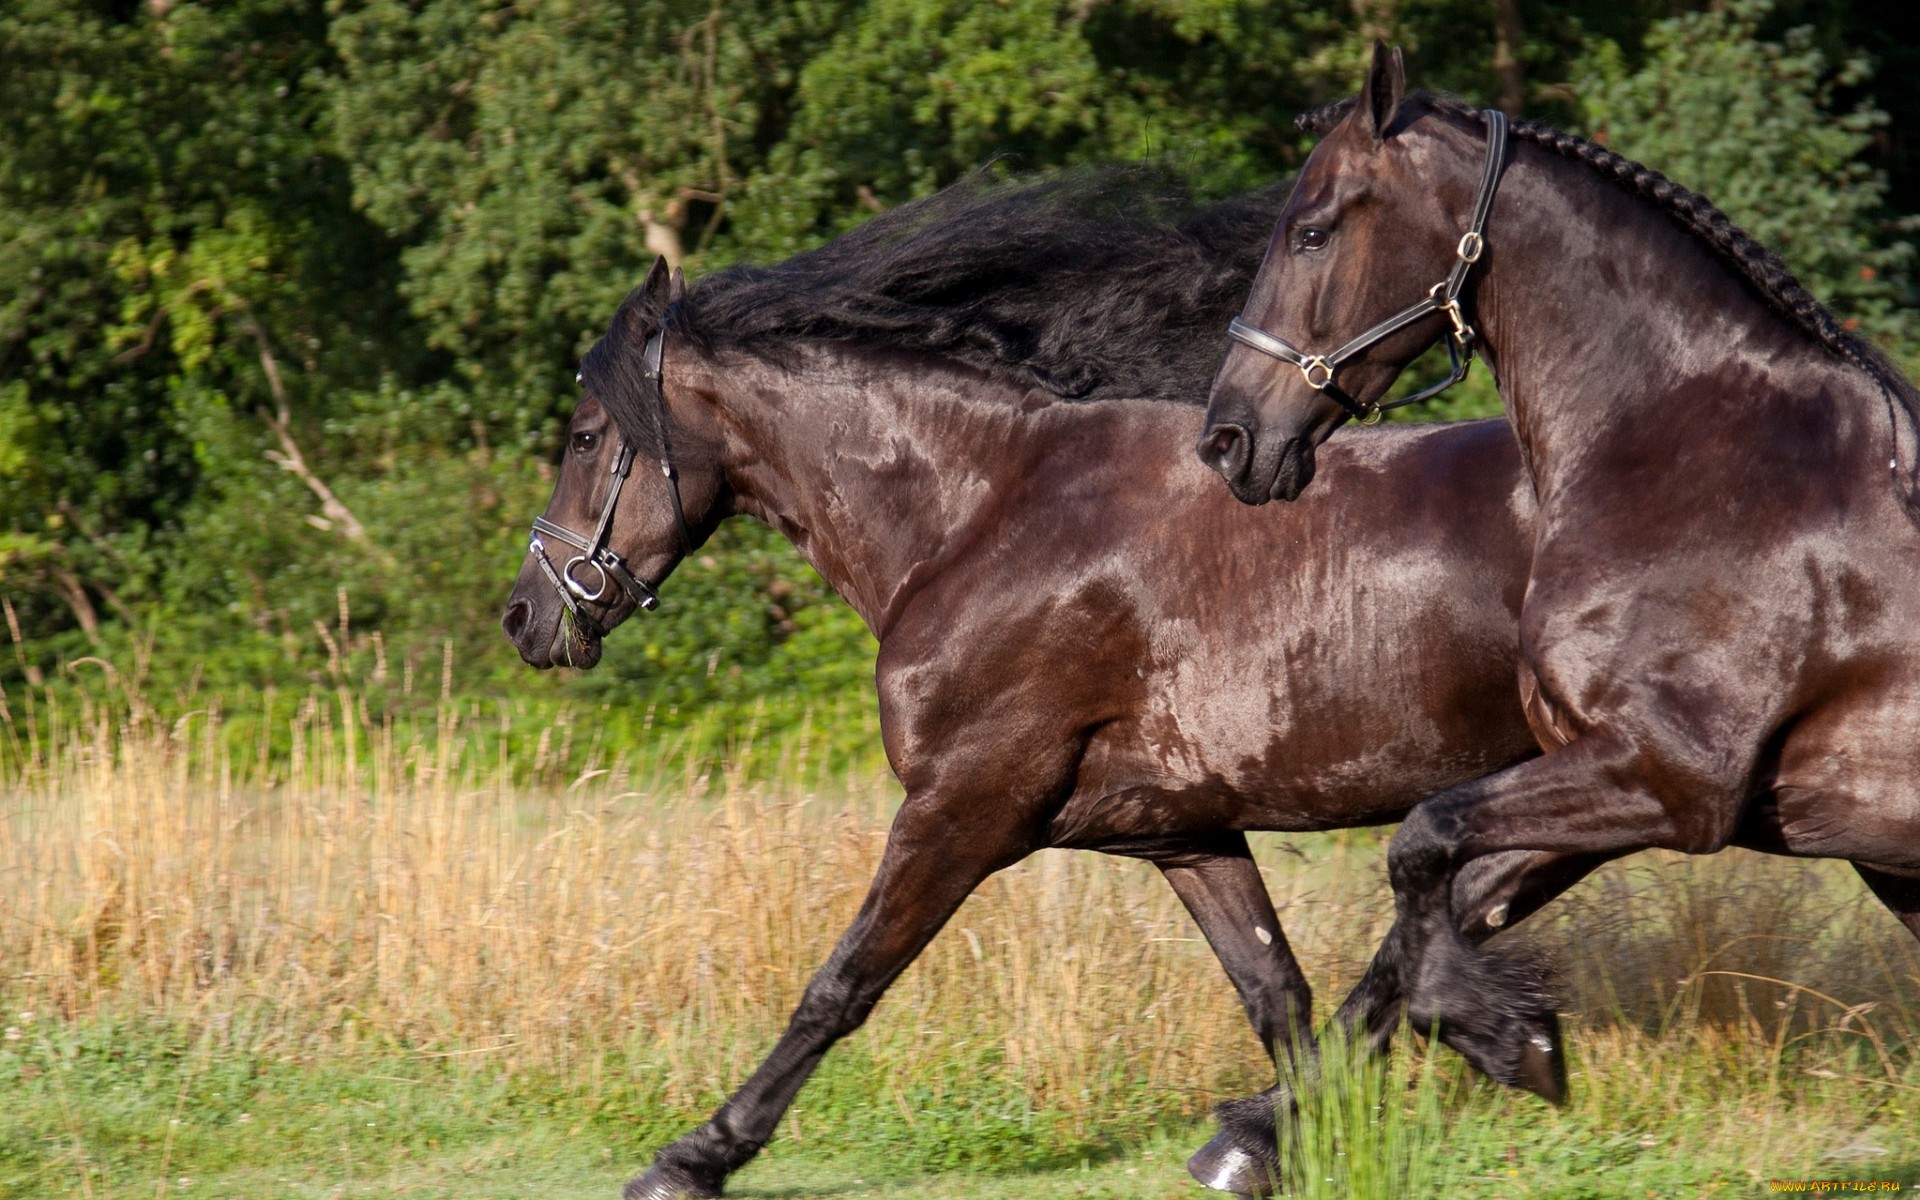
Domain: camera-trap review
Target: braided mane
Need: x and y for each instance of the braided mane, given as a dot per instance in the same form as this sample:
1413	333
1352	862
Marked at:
1760	267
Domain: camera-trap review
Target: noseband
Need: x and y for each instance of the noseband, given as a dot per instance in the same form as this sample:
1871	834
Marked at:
594	551
1442	297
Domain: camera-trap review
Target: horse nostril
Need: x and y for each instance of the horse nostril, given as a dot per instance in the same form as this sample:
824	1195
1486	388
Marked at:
516	618
1225	449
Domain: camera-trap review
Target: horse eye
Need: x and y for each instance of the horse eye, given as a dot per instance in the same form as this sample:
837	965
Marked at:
583	443
1311	238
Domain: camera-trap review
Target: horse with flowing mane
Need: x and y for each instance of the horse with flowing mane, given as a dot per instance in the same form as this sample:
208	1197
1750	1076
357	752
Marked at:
970	414
1721	631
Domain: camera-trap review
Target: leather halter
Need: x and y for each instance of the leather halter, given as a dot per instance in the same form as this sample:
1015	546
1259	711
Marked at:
594	551
1443	297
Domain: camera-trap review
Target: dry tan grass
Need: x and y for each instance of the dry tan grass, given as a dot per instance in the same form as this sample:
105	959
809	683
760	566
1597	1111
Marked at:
369	889
404	894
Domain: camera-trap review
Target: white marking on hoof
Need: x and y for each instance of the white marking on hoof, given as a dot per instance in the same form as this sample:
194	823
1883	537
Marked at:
1232	1163
1260	931
1497	917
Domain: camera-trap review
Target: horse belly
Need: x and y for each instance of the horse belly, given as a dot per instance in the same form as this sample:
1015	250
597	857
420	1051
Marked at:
1848	784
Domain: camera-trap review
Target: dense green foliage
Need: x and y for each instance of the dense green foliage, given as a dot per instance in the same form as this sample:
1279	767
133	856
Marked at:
291	290
1754	126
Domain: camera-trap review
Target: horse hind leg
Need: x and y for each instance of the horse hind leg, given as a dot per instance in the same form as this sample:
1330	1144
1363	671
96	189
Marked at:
1899	891
1220	885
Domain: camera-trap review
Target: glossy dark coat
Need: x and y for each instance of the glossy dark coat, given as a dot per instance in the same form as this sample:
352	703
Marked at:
1721	630
1085	643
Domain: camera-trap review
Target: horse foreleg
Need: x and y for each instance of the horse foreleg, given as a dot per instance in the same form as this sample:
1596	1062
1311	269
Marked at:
1502	890
931	864
1587	801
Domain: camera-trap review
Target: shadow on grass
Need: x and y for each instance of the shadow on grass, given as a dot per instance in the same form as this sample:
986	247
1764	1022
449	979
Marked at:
854	1173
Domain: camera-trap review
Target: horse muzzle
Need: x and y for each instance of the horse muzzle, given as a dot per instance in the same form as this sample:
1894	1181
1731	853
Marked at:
550	638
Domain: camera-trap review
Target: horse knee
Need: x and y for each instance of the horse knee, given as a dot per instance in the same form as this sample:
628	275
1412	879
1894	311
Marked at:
1283	1020
832	1007
1424	847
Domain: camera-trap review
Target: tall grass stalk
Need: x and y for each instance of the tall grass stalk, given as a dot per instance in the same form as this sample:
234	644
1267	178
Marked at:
1365	1127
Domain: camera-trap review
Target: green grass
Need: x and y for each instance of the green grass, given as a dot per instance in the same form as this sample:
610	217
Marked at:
1363	1126
104	1110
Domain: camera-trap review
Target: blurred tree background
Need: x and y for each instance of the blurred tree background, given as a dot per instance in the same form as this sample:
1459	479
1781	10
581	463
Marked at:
291	291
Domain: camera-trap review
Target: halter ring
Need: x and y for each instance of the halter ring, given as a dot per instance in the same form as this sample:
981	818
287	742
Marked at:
1470	247
575	586
1317	362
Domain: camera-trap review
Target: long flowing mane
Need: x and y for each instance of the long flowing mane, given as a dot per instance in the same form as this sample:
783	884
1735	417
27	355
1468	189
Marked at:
1091	283
1760	267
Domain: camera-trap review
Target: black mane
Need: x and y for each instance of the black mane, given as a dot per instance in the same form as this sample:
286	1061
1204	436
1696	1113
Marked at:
1761	268
1091	283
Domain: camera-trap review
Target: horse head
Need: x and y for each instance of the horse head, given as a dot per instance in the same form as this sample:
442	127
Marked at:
638	490
1375	205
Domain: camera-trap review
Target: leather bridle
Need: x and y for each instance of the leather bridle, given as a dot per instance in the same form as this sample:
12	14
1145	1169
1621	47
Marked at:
594	550
1443	297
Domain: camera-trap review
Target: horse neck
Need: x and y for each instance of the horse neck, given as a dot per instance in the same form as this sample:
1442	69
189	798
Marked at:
1600	315
874	464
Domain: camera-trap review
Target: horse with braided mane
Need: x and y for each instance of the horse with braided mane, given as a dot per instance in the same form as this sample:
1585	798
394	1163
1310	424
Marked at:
1720	637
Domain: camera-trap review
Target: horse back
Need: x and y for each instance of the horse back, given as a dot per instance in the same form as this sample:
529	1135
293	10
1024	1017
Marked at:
1182	662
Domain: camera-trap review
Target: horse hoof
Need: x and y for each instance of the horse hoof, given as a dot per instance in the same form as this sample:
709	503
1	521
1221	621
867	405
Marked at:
669	1181
1542	1069
1225	1166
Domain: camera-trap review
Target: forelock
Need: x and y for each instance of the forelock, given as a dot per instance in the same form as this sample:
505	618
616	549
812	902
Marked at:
1324	118
614	373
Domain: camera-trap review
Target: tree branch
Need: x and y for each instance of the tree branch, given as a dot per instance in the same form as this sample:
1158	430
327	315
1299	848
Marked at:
107	550
75	594
288	458
153	326
1506	57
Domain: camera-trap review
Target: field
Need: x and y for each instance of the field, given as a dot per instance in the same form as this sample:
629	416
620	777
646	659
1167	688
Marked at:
389	959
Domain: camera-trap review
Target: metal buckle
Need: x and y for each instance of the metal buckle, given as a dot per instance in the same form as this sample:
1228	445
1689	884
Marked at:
1307	369
575	586
1462	332
1374	414
1471	238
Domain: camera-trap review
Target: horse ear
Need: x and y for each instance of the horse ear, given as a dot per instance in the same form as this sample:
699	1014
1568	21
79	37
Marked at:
641	310
654	288
1385	87
677	287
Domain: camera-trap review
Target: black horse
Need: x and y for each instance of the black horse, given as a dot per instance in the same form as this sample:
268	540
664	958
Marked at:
960	415
1721	631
